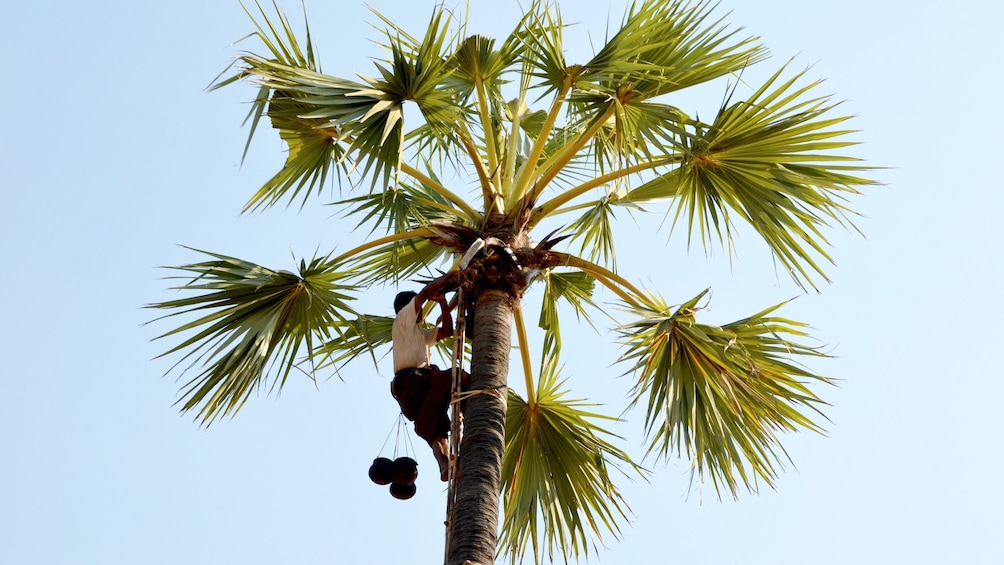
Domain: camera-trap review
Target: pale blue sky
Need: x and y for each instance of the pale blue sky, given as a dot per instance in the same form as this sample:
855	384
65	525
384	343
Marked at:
111	153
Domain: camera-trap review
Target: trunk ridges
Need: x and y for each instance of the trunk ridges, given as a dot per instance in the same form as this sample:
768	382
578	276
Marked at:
474	523
493	285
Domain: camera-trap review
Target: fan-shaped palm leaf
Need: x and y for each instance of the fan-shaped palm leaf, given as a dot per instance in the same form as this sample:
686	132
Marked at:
594	231
257	321
314	153
416	72
768	160
640	131
665	45
543	47
396	261
718	395
362	335
557	489
574	287
402	208
479	68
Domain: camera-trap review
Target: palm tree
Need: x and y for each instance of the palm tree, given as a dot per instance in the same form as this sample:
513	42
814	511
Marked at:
533	180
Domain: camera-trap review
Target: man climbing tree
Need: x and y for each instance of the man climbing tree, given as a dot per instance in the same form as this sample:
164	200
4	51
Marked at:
606	139
422	389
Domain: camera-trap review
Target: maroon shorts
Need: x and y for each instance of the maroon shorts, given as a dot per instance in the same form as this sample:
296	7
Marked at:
424	397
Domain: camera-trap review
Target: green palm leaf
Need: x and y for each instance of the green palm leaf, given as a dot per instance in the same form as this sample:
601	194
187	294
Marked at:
556	483
477	64
719	395
366	120
364	334
254	322
574	287
329	121
594	231
479	69
417	70
543	45
665	45
402	208
314	153
396	261
313	143
768	159
660	47
640	131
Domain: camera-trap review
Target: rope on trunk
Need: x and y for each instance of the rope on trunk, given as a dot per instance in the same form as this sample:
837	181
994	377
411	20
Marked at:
459	335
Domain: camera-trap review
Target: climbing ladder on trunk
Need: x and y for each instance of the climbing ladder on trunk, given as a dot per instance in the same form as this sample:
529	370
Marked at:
459	337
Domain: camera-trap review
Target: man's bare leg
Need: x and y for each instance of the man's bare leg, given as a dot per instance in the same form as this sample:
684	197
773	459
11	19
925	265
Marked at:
441	449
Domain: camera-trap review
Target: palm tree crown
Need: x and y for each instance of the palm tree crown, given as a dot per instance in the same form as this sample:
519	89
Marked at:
541	188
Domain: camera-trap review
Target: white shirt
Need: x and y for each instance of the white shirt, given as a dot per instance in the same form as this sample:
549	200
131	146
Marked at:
412	342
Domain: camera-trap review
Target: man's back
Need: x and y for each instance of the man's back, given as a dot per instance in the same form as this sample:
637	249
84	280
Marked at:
411	342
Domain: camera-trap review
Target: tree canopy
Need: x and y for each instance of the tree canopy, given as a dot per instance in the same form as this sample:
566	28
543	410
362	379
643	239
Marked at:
522	159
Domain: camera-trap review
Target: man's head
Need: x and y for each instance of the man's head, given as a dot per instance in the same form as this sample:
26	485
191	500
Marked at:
402	299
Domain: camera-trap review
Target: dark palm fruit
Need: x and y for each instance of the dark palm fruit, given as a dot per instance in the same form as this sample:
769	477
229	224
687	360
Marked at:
404	471
402	492
381	470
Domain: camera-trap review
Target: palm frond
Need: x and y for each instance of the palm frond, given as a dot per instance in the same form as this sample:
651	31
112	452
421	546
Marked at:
314	154
719	395
639	132
420	71
477	62
543	57
557	491
661	46
285	49
541	36
329	121
594	231
402	208
253	325
770	160
314	151
364	334
396	261
317	116
666	45
573	287
479	69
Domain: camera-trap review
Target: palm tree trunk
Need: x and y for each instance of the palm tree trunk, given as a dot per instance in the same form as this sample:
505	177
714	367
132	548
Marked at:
474	533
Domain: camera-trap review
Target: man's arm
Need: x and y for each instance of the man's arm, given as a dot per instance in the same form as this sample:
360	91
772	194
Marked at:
445	320
436	291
